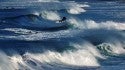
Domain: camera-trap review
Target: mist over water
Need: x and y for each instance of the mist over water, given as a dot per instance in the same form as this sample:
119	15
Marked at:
91	38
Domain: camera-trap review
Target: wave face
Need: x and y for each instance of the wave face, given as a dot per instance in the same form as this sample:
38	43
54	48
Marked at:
92	37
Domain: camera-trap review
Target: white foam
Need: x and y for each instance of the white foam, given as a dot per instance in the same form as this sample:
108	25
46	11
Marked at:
83	24
112	47
77	58
85	55
38	6
41	35
4	62
50	15
11	63
20	30
90	24
90	48
36	13
76	10
117	47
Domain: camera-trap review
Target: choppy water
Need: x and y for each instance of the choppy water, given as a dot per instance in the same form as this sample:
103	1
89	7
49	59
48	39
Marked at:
92	38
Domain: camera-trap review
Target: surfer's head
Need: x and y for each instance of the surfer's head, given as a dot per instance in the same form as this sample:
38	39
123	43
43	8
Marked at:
64	18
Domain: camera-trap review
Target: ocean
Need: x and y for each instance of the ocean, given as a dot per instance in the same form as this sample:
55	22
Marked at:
91	38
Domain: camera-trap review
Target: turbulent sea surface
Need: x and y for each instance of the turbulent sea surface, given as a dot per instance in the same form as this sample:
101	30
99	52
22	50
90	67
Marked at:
92	37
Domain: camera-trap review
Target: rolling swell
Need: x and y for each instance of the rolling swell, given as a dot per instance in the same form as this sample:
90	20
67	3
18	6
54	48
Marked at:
34	22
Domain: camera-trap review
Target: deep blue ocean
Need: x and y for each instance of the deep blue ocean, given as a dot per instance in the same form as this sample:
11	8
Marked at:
91	38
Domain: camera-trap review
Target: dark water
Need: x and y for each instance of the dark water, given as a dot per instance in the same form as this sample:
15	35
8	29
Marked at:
92	37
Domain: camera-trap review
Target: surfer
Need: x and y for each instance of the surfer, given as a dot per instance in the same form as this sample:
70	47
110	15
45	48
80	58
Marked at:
63	19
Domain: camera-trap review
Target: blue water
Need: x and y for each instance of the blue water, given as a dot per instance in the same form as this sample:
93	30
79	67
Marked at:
92	37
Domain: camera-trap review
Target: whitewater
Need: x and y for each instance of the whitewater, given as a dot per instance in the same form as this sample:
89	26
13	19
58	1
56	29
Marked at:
91	38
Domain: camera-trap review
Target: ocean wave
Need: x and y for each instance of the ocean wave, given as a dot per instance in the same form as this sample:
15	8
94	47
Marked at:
90	24
84	54
85	43
8	9
50	15
51	60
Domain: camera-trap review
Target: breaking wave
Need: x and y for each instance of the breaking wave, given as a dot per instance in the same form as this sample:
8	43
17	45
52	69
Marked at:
81	55
90	24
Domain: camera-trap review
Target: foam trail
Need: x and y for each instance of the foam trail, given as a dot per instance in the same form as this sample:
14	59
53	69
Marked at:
39	35
20	30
